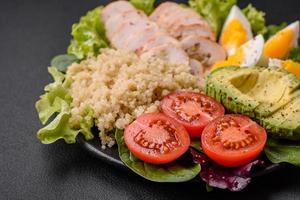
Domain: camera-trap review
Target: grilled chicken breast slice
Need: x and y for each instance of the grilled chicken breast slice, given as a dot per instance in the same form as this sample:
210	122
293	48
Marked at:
161	38
203	50
114	23
179	21
141	37
171	53
161	9
129	27
115	8
192	30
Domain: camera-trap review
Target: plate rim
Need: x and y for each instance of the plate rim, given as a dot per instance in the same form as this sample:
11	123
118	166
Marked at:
86	145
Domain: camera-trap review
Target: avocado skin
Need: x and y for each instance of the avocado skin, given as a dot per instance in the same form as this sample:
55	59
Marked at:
281	119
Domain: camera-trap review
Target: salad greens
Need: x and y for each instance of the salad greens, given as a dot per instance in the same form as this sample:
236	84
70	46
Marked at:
173	172
58	100
56	92
256	19
234	179
145	5
88	35
283	151
295	54
273	29
62	62
214	11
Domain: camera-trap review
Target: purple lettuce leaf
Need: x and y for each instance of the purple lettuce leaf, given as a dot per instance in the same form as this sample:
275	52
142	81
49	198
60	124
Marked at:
215	175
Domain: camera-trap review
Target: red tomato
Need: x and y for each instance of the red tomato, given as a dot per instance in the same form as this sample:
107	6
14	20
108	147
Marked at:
156	138
193	110
233	140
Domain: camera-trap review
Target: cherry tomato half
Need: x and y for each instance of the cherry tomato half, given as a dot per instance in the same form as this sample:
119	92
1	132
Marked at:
193	110
156	138
233	140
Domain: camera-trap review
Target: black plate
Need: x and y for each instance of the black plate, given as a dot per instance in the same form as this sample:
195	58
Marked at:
110	155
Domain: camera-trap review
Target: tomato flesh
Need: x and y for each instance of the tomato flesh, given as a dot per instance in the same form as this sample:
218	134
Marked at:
233	140
193	110
156	138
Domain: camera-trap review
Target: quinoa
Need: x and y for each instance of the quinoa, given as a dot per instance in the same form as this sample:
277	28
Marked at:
119	86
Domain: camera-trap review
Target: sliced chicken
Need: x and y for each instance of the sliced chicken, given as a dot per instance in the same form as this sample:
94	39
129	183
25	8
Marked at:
166	19
157	40
176	19
129	29
116	8
172	53
121	36
140	38
161	9
203	50
182	32
114	23
180	17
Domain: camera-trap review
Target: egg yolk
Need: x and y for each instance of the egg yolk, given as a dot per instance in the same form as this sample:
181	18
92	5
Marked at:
234	60
292	67
279	45
234	35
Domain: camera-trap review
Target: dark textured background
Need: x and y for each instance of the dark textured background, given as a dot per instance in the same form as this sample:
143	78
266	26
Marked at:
31	33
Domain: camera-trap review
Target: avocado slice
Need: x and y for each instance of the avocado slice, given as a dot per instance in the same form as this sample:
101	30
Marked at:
285	122
269	95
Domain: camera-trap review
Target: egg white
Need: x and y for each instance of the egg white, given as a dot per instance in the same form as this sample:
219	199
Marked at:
274	62
266	61
236	13
295	29
253	50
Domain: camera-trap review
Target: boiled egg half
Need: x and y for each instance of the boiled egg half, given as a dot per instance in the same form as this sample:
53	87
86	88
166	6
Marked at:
279	45
236	31
249	54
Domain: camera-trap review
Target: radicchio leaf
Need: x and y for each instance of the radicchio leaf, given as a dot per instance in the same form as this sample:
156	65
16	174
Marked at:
234	179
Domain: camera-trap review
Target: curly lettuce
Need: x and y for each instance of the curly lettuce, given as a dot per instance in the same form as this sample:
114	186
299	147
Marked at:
295	54
57	101
256	18
214	11
88	35
145	5
273	29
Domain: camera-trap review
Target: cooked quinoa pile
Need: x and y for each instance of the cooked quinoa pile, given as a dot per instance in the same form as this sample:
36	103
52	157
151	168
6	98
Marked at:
119	87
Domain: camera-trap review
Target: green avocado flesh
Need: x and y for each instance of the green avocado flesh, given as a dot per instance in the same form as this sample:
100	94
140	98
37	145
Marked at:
271	96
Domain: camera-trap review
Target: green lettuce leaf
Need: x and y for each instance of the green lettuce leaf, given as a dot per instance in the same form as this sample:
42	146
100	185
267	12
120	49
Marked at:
60	127
283	151
57	100
273	29
295	54
50	103
172	172
62	62
145	5
88	35
214	11
256	19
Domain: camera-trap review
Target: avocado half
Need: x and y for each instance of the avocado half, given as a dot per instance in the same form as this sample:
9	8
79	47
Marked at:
271	96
